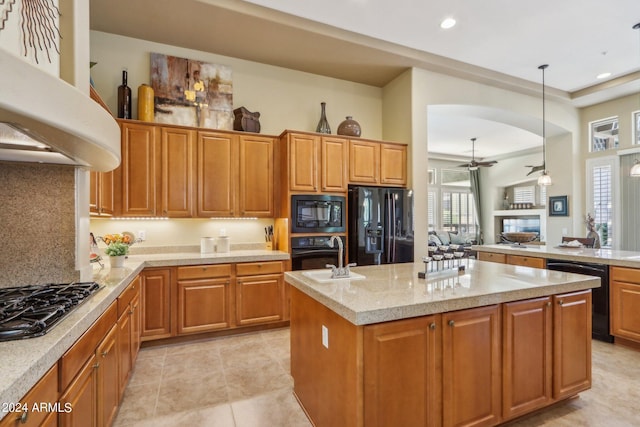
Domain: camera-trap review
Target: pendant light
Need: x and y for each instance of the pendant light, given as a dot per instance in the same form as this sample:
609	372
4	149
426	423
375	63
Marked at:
545	178
635	169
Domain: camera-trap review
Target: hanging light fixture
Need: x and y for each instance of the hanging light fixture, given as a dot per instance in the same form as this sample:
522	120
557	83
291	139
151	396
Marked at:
635	169
545	178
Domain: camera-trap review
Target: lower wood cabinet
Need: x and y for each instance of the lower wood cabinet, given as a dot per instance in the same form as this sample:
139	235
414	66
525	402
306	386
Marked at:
402	373
156	304
107	380
128	327
44	392
471	367
259	293
492	257
625	300
526	261
82	396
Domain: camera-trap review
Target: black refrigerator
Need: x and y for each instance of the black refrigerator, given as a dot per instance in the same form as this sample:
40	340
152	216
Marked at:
380	225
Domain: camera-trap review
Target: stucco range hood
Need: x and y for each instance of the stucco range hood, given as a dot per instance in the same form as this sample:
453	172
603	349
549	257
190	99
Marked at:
65	125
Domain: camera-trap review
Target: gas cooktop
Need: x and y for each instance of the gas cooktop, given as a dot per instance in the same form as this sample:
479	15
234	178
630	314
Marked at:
31	311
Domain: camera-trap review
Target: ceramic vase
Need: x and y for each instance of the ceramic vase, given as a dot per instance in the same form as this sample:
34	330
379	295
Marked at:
349	127
323	124
145	103
117	261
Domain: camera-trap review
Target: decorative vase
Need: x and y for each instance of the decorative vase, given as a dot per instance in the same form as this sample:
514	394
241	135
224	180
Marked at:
117	261
145	103
124	98
323	124
349	127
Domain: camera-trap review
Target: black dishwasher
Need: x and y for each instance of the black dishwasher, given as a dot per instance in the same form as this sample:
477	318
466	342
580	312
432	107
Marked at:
599	296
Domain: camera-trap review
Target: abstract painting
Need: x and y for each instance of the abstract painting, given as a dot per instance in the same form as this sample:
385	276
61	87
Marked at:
192	93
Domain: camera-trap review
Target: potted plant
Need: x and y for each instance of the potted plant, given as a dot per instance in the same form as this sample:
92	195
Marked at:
117	248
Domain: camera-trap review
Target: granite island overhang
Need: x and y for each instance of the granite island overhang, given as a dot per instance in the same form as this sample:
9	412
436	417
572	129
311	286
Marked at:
483	347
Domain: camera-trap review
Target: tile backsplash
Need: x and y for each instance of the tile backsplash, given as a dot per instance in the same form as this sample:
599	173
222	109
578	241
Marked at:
37	221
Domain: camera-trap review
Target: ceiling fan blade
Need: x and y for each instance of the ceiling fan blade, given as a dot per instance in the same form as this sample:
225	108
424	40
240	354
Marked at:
465	165
487	163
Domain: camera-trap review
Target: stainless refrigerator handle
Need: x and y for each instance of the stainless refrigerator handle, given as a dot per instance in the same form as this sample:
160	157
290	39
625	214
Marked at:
388	230
395	232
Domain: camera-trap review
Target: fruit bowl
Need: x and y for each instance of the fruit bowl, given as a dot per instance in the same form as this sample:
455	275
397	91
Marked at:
520	237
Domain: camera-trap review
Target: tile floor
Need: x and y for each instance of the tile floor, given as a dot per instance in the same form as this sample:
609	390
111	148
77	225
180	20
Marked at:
244	381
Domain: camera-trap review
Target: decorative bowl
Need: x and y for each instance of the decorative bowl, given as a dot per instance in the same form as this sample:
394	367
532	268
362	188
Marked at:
520	237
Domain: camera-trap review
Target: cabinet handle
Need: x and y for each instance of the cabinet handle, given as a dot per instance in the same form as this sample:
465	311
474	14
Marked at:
452	323
131	311
24	416
204	268
548	303
560	302
432	325
96	366
105	353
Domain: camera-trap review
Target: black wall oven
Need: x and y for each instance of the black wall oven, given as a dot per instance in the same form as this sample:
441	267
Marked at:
318	214
313	252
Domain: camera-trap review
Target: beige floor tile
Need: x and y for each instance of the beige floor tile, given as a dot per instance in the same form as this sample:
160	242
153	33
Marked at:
199	363
255	379
279	408
139	403
147	370
214	416
178	395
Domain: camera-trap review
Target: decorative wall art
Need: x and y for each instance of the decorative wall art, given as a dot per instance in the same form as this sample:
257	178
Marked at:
192	93
558	206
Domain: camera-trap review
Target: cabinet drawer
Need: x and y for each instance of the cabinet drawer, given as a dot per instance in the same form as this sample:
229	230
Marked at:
44	392
204	271
490	256
628	275
73	360
127	295
526	261
253	268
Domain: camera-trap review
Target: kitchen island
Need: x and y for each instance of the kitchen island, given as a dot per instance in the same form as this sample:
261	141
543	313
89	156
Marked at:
478	348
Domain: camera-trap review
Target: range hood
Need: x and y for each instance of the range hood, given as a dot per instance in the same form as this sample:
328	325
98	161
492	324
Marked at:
46	120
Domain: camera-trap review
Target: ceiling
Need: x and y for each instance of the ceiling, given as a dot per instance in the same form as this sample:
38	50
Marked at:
498	42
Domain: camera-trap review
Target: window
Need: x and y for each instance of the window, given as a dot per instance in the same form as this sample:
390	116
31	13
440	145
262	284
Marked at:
458	212
636	127
456	178
543	195
524	194
600	194
431	210
431	176
604	134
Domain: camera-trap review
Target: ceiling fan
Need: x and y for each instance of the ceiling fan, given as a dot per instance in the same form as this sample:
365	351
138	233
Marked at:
473	164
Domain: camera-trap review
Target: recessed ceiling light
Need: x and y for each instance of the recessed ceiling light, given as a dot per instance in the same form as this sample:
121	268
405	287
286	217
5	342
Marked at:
603	75
447	23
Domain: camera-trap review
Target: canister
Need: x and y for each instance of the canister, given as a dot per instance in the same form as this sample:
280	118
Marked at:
223	244
145	103
207	245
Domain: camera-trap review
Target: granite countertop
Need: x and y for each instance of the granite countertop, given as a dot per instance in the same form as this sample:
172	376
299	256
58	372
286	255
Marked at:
392	292
600	256
24	362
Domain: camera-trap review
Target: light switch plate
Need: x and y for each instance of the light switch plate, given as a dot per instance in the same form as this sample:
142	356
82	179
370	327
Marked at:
325	336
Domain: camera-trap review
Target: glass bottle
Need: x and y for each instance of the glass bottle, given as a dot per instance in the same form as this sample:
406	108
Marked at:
323	124
124	98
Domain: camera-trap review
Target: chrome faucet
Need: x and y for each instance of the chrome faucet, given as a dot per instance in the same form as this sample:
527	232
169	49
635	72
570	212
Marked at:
341	271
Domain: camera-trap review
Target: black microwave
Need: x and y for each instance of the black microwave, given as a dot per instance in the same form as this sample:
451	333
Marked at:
318	214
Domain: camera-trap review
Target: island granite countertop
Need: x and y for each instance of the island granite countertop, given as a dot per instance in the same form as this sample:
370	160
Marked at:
600	256
25	361
394	291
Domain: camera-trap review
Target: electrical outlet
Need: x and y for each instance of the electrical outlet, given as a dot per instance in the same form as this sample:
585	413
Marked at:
142	235
325	336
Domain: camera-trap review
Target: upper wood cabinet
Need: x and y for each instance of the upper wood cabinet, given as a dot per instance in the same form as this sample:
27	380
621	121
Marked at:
376	163
101	194
177	172
217	179
316	163
256	176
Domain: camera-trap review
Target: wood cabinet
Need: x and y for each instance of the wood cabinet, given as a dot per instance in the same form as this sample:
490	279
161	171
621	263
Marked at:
204	298
140	169
316	163
492	257
375	163
625	303
101	193
471	367
571	343
156	298
107	381
82	396
256	197
402	372
177	172
527	334
217	174
128	327
43	393
259	293
526	261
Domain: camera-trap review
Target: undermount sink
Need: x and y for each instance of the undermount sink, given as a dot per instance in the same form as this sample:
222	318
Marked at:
324	276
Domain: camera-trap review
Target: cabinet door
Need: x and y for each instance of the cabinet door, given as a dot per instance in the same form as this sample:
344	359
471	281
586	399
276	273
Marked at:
527	356
489	256
526	261
625	300
471	367
402	373
364	162
571	343
44	392
334	164
156	304
139	169
177	172
94	191
217	161
259	299
256	176
303	162
101	194
203	305
136	326
393	164
81	395
108	393
124	350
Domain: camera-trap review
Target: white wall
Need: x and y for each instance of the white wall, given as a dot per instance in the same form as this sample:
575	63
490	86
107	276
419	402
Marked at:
286	99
